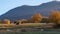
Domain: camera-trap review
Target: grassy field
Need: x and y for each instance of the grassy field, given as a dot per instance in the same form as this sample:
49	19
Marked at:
28	27
29	32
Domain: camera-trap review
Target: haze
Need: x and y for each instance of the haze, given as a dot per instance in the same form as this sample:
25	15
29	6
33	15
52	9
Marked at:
6	5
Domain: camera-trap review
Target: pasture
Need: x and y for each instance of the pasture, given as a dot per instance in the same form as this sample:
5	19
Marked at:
29	32
27	28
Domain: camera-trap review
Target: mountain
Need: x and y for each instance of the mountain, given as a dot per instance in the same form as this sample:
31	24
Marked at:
26	11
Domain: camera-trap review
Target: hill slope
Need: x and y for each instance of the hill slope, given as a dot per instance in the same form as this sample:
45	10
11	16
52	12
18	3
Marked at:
26	11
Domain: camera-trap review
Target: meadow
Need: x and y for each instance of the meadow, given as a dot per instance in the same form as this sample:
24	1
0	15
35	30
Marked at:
29	32
27	29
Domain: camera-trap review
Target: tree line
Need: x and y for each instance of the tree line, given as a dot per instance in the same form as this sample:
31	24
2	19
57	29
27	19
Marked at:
53	17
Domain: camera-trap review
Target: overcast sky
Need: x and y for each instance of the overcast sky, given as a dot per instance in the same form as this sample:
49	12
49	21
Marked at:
6	5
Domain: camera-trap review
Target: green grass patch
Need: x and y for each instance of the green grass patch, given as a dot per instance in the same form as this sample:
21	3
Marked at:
29	32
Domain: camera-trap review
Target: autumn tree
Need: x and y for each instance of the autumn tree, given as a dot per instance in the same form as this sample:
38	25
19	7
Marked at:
24	21
6	21
45	20
54	17
36	17
17	22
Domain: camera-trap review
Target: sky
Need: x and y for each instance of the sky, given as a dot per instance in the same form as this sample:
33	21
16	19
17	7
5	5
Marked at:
6	5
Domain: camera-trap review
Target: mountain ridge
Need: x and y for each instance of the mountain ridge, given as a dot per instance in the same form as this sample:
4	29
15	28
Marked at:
25	11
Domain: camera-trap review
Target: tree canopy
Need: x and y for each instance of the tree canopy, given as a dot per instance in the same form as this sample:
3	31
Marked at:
36	17
54	17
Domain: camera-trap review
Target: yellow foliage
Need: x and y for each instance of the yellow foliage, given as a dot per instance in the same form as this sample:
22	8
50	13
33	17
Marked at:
36	17
55	16
24	21
6	21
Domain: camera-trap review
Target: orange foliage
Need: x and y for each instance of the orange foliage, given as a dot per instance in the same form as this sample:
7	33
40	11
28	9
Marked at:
54	16
36	17
23	21
6	21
